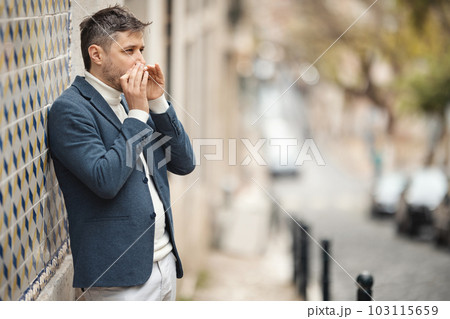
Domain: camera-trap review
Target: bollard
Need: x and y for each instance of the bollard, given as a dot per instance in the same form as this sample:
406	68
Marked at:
300	254
326	270
365	281
304	261
295	230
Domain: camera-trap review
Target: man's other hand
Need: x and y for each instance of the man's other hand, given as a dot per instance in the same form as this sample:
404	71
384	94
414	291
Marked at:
156	82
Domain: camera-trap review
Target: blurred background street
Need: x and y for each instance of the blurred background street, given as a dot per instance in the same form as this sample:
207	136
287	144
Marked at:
376	105
335	202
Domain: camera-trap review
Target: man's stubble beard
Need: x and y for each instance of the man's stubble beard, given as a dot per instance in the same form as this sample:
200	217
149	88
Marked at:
112	75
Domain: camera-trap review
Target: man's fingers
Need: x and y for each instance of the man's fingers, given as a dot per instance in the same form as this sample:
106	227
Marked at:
139	74
131	80
150	69
135	75
151	73
144	81
155	73
158	69
124	78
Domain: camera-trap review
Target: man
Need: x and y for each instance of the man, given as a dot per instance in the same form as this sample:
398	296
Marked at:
109	152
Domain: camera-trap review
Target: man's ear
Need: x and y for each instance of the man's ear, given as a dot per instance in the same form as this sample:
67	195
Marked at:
97	54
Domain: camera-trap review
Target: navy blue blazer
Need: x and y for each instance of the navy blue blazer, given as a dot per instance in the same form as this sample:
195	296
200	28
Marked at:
109	207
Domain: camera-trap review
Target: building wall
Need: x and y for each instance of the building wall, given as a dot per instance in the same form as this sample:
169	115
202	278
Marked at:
34	70
40	57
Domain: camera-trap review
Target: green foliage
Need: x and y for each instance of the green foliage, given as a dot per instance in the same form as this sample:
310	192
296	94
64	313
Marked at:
429	81
432	91
421	9
411	36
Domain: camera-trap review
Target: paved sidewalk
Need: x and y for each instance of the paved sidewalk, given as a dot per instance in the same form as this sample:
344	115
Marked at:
267	277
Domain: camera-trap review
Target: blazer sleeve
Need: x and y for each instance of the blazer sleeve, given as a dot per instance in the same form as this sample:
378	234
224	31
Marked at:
75	141
182	161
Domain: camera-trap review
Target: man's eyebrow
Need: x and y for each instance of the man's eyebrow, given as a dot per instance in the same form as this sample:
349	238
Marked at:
132	46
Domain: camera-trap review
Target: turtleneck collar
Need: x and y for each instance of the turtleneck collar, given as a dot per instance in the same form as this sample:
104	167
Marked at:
111	95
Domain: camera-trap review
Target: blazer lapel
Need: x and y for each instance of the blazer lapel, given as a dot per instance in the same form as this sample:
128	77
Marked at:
124	103
97	101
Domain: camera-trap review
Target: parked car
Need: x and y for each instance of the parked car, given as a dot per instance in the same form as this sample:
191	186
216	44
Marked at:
424	194
280	163
387	193
441	221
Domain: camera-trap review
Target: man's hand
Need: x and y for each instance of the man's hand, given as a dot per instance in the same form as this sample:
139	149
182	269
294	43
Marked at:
156	82
134	85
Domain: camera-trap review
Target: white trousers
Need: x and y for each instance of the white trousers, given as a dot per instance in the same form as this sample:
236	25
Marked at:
161	286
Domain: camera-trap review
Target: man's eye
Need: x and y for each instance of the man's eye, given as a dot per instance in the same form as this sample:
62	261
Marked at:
142	50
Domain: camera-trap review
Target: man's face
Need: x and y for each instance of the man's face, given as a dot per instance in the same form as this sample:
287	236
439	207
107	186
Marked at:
124	52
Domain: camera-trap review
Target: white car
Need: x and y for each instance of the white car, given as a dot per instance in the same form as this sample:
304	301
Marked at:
282	147
387	193
425	193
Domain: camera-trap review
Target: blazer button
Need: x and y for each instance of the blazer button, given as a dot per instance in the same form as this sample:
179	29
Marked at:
145	180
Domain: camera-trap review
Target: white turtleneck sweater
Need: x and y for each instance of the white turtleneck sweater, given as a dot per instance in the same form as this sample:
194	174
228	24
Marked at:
162	245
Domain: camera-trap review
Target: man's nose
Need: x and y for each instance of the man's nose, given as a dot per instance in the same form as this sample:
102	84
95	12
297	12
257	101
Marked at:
140	58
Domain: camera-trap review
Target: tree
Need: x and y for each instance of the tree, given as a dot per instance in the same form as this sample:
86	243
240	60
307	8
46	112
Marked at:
411	37
430	90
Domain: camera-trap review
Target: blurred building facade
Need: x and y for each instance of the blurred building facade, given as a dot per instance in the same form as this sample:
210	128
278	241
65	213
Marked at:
192	41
